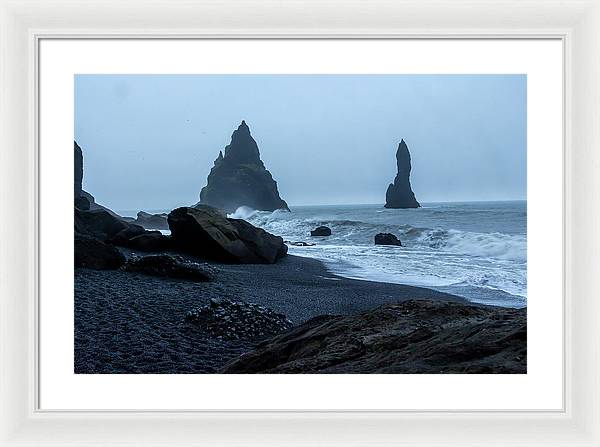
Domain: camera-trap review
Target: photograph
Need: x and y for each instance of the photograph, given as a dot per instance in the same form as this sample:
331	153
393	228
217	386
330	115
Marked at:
300	223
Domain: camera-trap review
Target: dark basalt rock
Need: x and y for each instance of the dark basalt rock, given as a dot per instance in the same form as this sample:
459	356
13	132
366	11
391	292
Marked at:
399	194
93	253
321	231
107	228
169	266
239	178
82	203
123	236
387	239
234	320
411	337
98	223
266	245
150	241
78	171
98	229
152	221
204	231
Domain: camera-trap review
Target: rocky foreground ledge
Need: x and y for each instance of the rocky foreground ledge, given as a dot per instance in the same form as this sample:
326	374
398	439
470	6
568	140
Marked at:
415	336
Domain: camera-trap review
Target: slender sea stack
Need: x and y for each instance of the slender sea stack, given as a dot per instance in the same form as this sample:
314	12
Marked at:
239	178
399	194
78	170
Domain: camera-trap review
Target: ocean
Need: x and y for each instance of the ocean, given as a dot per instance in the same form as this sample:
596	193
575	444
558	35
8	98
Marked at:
477	250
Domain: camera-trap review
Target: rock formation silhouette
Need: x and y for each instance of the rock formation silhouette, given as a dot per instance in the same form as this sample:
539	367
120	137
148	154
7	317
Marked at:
239	178
400	194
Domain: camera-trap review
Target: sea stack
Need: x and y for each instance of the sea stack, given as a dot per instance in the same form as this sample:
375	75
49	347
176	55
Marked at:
239	178
399	194
78	171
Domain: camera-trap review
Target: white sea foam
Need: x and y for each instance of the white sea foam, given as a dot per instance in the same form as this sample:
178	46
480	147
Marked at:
492	245
242	212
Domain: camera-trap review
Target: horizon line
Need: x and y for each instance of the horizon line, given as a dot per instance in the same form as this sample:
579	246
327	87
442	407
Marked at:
348	204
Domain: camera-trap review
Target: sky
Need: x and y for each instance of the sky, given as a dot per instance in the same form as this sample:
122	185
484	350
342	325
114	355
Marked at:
149	141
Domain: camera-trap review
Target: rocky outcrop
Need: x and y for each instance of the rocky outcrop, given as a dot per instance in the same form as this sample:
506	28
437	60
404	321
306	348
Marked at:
235	320
239	178
83	199
149	241
411	337
205	232
387	239
321	231
122	237
152	221
168	266
98	230
99	223
399	194
107	228
91	252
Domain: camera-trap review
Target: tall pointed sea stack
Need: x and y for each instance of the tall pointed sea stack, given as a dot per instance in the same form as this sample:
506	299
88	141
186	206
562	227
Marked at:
239	178
399	194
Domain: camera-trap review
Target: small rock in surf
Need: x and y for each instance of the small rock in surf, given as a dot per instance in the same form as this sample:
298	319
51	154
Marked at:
387	239
321	231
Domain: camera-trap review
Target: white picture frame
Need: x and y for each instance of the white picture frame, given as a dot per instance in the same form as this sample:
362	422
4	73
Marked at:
24	23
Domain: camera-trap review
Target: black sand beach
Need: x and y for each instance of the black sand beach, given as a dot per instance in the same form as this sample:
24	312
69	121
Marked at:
133	323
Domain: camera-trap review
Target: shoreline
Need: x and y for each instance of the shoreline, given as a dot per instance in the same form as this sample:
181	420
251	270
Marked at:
133	323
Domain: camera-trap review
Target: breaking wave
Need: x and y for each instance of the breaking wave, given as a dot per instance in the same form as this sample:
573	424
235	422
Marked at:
494	245
465	252
243	212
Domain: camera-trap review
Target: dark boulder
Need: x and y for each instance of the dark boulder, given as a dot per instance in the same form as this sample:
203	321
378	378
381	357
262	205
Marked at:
107	228
150	241
411	337
203	231
239	178
98	223
152	221
399	194
93	253
269	247
122	237
321	231
168	266
387	239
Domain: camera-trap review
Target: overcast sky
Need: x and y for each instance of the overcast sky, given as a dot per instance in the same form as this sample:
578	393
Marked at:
149	141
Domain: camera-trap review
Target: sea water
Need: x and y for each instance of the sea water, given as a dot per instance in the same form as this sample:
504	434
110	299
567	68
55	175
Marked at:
477	250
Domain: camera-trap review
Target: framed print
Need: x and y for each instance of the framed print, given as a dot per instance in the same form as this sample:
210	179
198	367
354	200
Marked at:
319	267
299	227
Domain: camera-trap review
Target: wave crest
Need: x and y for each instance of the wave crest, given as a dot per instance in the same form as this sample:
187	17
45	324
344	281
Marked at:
242	212
355	232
